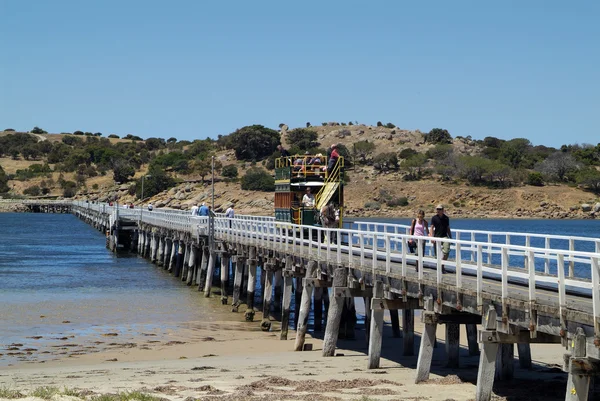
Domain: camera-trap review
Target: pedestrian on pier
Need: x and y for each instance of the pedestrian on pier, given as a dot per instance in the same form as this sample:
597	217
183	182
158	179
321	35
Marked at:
194	210
418	227
150	206
203	210
440	228
230	213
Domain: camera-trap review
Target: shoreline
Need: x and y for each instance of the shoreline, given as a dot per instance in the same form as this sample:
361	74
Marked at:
223	362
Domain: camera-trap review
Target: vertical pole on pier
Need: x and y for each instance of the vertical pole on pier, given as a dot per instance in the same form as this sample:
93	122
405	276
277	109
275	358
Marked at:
167	253
278	289
340	281
161	250
472	339
427	342
251	284
174	251
408	331
265	325
297	300
578	385
184	264
368	313
452	344
524	355
209	272
224	275
376	327
318	308
191	265
395	323
237	283
487	359
203	266
302	314
505	362
179	258
287	300
154	248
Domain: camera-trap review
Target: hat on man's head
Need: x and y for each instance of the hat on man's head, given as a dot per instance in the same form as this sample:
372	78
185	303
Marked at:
334	145
203	204
307	153
439	206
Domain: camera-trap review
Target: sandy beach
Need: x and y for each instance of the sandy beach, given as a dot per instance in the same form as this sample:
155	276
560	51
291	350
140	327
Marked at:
233	360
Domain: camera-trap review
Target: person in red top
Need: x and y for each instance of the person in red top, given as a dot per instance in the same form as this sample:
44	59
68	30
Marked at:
333	157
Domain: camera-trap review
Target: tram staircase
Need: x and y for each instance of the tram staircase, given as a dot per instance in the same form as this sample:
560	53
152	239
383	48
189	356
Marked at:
331	184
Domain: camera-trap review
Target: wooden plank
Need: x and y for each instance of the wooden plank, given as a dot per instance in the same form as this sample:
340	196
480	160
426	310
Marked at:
340	278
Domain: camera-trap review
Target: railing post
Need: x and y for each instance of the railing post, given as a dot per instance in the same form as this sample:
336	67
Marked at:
458	266
479	277
571	261
547	260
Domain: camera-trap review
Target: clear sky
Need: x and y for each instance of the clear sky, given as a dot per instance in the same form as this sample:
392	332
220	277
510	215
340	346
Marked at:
196	69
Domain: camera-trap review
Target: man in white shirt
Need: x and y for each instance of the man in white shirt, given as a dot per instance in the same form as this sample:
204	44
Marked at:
194	210
308	200
229	212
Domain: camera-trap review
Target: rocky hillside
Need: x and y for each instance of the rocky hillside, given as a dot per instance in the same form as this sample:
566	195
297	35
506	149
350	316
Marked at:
369	190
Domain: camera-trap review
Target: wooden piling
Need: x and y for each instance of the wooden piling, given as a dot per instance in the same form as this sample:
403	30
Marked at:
472	339
487	360
505	362
277	289
427	341
265	325
203	267
237	283
252	262
340	281
185	261
395	323
376	328
224	276
408	332
161	250
191	265
318	308
167	253
173	259
524	350
452	344
302	319
209	273
578	385
287	300
298	290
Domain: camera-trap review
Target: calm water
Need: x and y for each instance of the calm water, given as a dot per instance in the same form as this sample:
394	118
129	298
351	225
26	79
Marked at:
57	279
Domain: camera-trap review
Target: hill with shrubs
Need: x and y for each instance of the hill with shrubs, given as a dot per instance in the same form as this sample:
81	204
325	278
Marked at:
389	171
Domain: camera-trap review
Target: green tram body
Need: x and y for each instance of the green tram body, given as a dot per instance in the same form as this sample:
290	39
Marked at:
293	174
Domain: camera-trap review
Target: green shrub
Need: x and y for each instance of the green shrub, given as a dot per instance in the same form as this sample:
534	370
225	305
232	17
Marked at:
379	124
229	171
45	392
115	136
257	179
390	125
8	393
438	135
372	205
33	190
536	179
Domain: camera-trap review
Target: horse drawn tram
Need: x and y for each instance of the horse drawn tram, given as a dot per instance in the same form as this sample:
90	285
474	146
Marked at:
309	189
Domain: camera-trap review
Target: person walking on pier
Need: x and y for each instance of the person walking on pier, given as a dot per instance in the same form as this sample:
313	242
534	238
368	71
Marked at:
203	210
230	213
418	227
150	206
440	228
194	210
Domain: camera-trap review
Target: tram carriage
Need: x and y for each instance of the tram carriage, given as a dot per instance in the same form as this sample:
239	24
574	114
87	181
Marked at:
293	174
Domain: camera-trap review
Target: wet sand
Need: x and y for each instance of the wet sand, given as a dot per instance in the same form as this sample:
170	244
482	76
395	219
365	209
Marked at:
226	361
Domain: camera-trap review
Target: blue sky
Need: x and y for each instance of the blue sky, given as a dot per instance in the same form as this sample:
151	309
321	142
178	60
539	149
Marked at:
194	69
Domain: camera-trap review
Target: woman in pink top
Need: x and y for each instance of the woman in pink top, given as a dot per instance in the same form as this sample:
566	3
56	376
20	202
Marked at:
418	227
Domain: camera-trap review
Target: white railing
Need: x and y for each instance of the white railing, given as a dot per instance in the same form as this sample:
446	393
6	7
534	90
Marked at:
382	248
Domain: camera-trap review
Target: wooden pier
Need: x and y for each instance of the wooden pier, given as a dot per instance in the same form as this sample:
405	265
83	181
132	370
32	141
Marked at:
532	296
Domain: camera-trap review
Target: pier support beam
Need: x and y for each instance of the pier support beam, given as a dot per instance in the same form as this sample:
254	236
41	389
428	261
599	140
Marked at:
578	383
287	300
268	272
210	273
427	342
173	258
161	250
395	323
452	344
252	261
224	276
237	283
408	332
472	339
376	329
278	289
524	355
302	319
340	280
203	267
191	265
318	308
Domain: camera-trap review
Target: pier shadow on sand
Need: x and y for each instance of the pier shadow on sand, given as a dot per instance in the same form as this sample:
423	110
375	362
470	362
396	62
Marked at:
541	382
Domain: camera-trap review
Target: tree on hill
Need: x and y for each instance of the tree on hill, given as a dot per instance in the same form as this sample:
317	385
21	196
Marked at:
254	142
303	139
588	177
203	166
362	150
38	130
558	165
438	135
514	152
3	181
122	171
257	179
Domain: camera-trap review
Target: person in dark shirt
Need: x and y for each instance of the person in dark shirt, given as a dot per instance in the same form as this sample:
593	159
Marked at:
440	228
